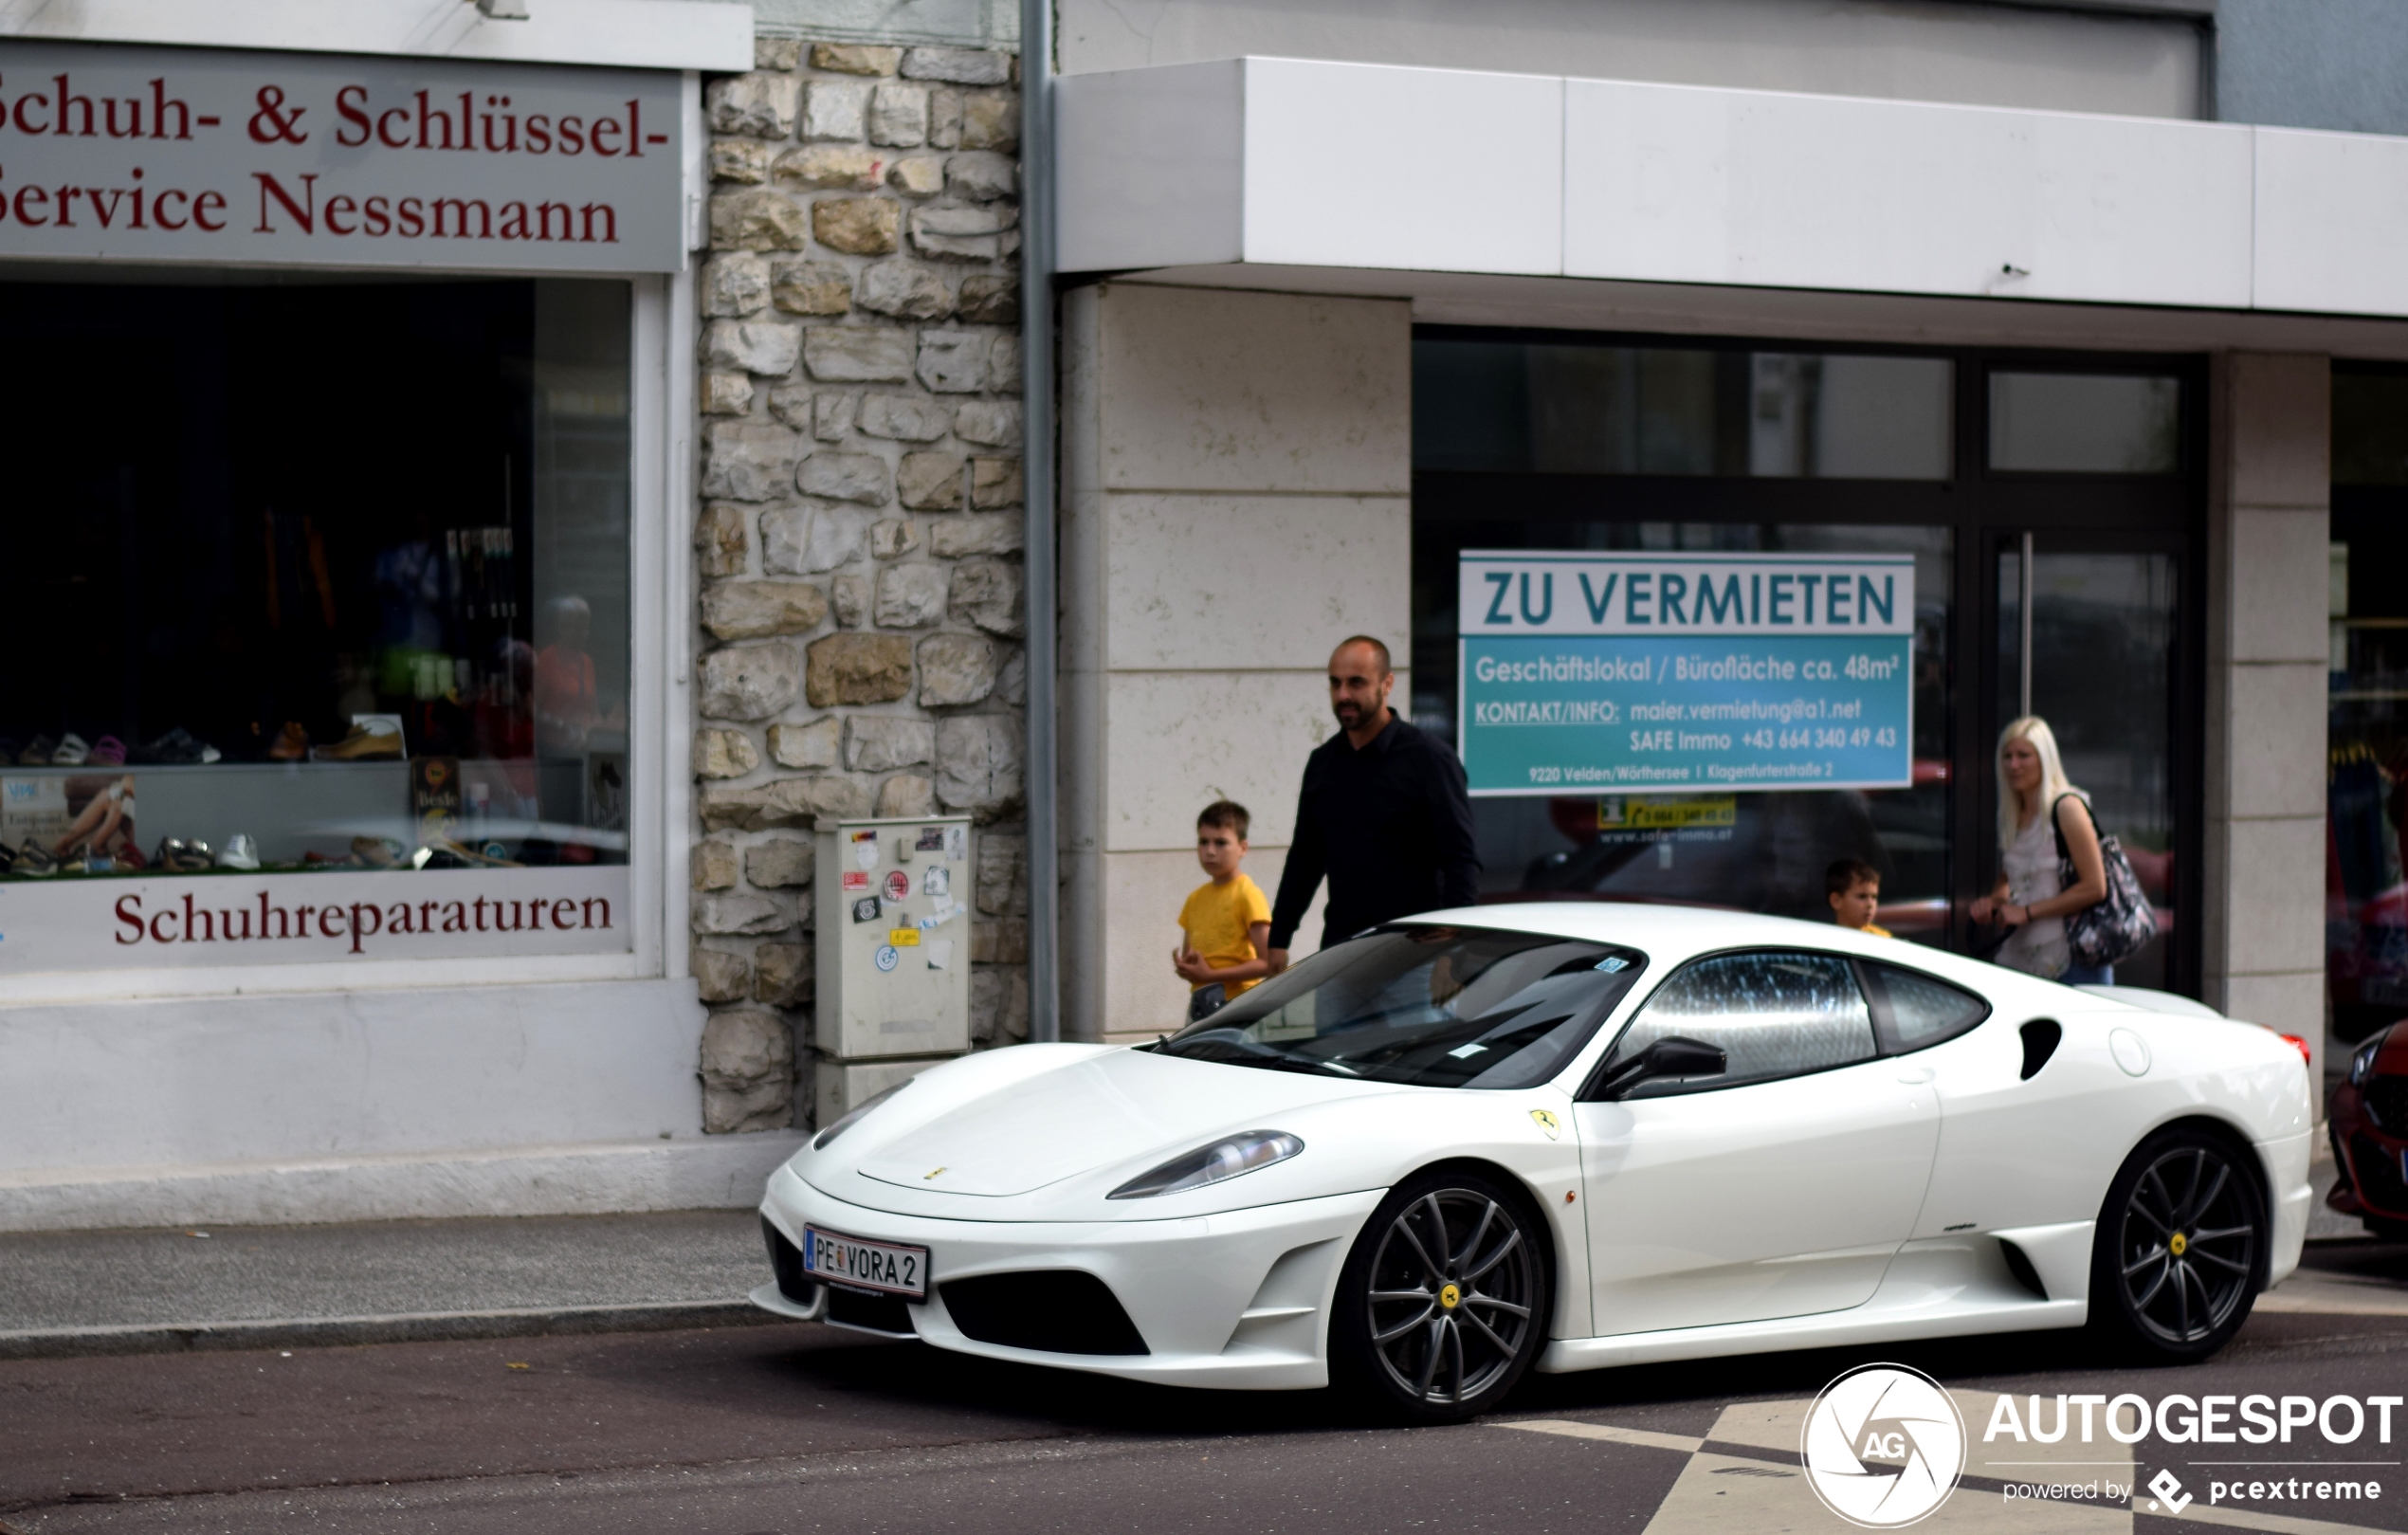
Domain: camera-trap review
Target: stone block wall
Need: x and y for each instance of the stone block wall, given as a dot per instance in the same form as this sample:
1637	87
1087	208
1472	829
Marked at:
859	524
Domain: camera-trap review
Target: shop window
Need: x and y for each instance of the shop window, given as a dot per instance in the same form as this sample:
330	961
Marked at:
2103	630
1546	408
315	575
2366	773
2052	423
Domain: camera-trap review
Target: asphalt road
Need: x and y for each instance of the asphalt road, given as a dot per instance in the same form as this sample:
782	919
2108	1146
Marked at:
783	1430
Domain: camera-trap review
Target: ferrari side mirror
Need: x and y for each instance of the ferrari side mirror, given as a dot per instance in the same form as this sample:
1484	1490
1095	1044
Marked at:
1671	1056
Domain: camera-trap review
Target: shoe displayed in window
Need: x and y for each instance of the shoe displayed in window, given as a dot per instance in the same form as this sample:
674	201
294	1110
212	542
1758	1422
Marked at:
366	743
292	743
108	751
73	751
38	750
378	852
183	856
179	747
239	853
442	853
34	859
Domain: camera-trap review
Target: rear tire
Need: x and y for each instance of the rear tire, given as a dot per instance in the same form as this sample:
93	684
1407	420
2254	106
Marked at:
2181	1248
1445	1300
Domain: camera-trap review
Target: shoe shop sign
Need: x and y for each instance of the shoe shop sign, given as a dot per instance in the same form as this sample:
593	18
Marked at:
208	919
297	159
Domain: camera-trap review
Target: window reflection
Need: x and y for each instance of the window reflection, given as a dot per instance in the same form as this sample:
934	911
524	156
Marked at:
2084	423
1553	408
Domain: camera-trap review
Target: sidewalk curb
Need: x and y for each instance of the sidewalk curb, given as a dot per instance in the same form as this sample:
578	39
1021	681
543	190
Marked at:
332	1332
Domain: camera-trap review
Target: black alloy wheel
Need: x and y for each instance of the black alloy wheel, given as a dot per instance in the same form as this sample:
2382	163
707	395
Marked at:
1445	1298
2182	1247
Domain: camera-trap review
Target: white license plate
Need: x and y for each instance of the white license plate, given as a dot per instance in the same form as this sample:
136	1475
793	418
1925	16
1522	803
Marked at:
849	1263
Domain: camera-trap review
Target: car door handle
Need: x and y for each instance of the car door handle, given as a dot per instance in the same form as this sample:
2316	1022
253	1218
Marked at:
1915	1076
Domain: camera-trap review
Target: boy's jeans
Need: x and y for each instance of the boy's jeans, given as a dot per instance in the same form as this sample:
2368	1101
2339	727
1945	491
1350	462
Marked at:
1206	1000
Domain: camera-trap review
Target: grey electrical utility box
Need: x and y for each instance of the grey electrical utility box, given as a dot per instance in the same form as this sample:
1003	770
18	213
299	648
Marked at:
893	899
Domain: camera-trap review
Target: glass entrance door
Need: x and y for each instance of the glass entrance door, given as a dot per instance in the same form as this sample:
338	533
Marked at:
2088	638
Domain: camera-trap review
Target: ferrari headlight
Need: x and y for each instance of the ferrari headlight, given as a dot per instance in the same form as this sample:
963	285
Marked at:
819	1142
2363	1061
1221	1161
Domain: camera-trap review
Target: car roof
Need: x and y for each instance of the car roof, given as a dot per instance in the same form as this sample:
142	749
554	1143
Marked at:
1668	935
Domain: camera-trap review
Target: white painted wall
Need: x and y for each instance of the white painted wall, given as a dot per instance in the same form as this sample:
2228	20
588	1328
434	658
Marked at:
364	1105
1995	55
1235	475
1508	177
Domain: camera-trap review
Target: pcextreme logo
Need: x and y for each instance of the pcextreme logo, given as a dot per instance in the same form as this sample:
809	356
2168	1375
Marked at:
1884	1446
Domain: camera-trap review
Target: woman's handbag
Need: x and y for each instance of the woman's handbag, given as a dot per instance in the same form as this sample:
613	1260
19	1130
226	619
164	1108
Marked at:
2117	928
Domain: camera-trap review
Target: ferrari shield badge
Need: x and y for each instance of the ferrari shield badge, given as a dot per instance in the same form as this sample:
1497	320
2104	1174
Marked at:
1548	1122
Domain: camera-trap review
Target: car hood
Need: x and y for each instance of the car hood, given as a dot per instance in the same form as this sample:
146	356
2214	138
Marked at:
1091	1113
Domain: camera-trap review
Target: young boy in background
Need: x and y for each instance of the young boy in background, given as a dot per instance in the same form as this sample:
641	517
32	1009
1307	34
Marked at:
1853	887
1226	925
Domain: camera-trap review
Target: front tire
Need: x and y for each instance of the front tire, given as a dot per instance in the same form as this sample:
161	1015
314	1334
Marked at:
1445	1300
2181	1248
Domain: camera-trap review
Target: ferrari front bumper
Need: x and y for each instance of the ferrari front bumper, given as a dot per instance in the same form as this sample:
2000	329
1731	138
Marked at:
1238	1301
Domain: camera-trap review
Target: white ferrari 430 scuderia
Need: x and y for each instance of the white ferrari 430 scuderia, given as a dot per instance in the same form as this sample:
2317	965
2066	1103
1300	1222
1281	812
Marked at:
1566	1136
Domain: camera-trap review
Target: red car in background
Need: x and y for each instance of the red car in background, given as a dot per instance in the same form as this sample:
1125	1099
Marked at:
2369	1125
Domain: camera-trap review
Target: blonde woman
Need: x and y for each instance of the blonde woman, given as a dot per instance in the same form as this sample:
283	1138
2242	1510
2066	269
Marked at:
2036	806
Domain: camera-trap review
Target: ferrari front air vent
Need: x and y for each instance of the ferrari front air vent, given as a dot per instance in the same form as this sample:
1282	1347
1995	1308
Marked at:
2388	1102
2040	1038
1050	1310
786	1261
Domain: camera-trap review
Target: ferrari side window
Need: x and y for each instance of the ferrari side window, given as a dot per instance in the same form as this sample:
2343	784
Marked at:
1914	1010
1774	1012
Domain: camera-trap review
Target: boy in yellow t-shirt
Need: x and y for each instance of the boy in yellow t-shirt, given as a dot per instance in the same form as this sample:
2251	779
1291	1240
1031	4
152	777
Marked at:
1226	925
1853	887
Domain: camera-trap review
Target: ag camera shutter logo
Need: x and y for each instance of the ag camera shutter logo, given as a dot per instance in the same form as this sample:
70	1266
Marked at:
1884	1446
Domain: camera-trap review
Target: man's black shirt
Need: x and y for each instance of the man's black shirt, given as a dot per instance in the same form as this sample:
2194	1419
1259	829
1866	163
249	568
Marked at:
1390	825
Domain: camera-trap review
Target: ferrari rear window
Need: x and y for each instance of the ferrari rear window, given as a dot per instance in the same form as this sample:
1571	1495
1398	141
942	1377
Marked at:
1435	1007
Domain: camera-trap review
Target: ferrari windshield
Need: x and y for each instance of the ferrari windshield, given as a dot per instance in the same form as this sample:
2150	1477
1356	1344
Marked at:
1436	1006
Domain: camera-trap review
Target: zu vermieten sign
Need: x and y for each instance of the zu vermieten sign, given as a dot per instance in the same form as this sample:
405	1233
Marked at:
303	159
1587	673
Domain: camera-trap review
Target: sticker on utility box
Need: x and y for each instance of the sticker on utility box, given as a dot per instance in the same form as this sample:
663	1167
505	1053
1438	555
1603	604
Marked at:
887	959
931	839
904	937
856	879
865	910
898	885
